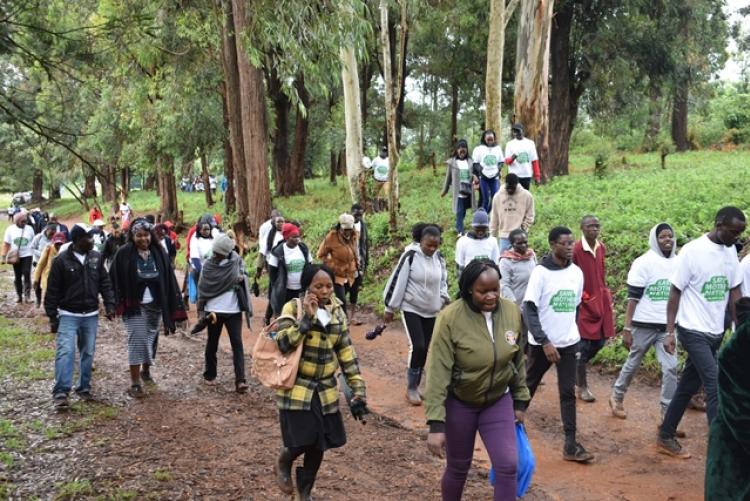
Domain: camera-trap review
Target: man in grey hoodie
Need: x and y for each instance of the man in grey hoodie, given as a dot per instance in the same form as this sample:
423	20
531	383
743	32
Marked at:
646	317
419	288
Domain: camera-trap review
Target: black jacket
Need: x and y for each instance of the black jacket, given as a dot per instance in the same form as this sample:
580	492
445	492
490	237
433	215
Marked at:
277	275
76	287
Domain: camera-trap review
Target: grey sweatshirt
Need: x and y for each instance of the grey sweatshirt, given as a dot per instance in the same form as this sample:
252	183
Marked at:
419	287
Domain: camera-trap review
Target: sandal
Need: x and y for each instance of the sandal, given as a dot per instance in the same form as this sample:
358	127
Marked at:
241	387
136	391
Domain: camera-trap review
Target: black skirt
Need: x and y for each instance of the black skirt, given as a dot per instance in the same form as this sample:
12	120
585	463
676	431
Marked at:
312	428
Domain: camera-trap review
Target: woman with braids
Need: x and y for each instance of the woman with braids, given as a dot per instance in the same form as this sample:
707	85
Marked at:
419	288
476	381
308	413
146	295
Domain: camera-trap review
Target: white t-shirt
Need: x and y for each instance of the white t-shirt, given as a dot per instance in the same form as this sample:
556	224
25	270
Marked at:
224	303
125	212
489	159
556	294
20	239
705	273
295	263
745	273
464	173
263	235
652	272
525	151
380	168
469	249
201	248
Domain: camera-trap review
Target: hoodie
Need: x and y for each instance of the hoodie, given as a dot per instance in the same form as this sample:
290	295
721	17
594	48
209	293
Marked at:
649	283
515	271
419	284
550	306
470	247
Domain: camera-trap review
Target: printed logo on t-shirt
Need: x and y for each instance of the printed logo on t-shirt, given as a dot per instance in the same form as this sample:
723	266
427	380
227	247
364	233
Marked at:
659	290
477	258
382	170
464	175
489	160
295	266
510	337
715	288
21	242
522	158
564	301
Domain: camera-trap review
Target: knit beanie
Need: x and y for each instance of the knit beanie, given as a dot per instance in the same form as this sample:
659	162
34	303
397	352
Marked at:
480	219
223	245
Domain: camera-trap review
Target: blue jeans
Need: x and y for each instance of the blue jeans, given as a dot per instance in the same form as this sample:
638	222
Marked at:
72	331
462	205
503	244
701	367
488	188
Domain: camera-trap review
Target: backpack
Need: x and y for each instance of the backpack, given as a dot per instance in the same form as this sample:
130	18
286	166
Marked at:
274	369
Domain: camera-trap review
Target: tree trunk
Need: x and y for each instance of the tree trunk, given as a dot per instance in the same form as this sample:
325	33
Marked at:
167	187
454	116
532	75
37	186
230	202
493	82
352	121
333	166
150	183
107	181
295	182
566	87
54	191
234	119
280	135
341	163
124	184
368	71
89	187
206	178
253	114
653	127
420	147
680	115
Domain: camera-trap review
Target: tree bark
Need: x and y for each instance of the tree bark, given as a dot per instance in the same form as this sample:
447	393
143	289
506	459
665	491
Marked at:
295	184
253	113
89	187
230	202
280	136
332	167
150	183
167	187
124	183
454	115
653	127
37	186
108	183
352	121
493	81
368	71
206	178
680	115
532	75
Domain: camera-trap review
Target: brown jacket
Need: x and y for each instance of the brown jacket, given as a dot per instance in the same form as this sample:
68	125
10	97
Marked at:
340	256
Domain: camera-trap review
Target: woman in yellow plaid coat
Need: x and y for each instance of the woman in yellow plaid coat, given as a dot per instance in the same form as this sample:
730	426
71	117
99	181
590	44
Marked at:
308	413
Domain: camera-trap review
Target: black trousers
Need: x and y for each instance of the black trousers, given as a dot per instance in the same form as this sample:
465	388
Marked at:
354	290
525	182
22	272
233	322
419	330
588	349
537	365
340	291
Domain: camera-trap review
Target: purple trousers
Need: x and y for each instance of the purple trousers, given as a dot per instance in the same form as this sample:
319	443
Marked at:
496	425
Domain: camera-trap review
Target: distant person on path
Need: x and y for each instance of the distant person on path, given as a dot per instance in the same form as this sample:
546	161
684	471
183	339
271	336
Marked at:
41	272
595	317
269	236
147	295
59	226
98	235
339	252
161	233
512	208
479	337
728	457
549	310
707	279
521	157
487	158
308	413
516	265
380	168
223	296
75	281
201	245
476	244
360	227
285	265
418	286
646	317
38	244
115	240
125	212
94	214
460	181
17	249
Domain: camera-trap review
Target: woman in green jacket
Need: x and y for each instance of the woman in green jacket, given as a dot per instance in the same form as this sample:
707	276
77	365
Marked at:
475	379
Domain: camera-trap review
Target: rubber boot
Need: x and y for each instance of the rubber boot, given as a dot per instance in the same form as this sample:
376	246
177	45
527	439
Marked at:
413	376
305	481
283	471
582	388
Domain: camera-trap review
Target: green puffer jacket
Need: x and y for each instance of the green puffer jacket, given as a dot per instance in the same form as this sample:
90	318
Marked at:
465	363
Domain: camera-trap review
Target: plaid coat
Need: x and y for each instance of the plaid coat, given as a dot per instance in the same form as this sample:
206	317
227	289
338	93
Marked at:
326	349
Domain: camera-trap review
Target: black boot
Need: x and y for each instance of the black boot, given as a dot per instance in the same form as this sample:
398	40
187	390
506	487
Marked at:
582	388
413	376
283	470
305	481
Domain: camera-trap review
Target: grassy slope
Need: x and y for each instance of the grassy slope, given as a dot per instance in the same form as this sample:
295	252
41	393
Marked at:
629	200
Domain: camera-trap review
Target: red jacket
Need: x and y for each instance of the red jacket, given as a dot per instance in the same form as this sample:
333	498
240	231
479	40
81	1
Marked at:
595	318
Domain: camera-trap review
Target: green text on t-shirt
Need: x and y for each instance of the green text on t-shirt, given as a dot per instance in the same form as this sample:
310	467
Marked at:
659	290
295	266
564	301
522	158
715	288
489	160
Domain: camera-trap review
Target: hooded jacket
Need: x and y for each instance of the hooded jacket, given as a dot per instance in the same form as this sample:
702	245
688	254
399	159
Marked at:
419	284
340	256
515	271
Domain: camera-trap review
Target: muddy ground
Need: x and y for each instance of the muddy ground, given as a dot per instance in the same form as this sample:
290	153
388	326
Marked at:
190	441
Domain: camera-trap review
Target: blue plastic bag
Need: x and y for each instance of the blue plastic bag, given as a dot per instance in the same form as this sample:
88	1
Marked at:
192	289
526	462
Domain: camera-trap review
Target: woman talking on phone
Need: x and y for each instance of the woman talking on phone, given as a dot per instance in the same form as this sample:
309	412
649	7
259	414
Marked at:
308	413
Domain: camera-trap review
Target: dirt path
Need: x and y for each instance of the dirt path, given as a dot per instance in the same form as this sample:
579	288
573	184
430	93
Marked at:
189	441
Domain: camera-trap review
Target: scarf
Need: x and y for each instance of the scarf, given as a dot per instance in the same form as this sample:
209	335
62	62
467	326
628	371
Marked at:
218	277
515	256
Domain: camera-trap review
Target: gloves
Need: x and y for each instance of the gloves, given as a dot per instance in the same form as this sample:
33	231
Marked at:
359	409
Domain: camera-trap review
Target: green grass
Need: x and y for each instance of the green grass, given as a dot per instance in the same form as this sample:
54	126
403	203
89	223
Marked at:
25	354
73	490
162	475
